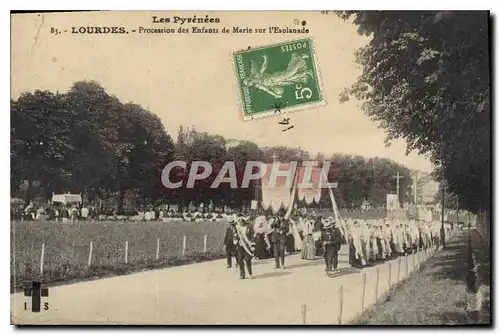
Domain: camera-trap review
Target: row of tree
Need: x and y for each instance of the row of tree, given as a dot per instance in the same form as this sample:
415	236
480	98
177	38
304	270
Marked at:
86	141
426	78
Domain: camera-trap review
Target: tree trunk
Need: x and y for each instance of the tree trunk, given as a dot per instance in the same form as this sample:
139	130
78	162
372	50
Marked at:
121	198
29	191
91	195
48	192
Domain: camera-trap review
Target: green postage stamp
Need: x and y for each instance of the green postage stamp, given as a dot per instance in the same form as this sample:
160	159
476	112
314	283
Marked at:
281	77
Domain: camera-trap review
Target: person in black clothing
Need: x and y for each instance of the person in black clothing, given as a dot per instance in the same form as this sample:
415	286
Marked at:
230	241
49	211
332	240
245	247
317	229
270	251
64	214
280	228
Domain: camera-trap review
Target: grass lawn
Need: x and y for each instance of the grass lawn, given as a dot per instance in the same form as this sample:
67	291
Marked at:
67	248
434	296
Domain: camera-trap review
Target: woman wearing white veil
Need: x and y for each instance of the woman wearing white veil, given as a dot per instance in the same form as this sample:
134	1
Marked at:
398	237
365	239
296	226
380	240
262	244
308	247
388	234
359	257
372	240
414	234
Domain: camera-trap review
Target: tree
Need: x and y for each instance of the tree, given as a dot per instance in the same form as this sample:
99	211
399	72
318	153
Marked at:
243	152
94	119
360	178
199	146
141	151
426	79
40	142
86	141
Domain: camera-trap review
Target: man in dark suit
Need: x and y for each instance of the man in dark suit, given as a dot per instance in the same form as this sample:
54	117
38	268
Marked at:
245	247
230	241
280	228
332	240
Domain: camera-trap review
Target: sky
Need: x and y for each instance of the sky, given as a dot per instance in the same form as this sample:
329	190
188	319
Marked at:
189	79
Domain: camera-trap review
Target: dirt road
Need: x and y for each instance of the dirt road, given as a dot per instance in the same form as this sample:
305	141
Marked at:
209	293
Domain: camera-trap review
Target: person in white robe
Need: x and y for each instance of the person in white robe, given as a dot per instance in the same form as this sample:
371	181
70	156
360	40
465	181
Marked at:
374	248
308	246
297	241
388	241
435	230
427	232
398	237
414	234
365	239
186	216
140	215
85	213
262	244
40	214
380	241
357	237
197	217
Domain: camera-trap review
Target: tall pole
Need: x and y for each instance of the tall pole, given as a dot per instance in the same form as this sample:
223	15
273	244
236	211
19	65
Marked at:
257	194
294	186
442	149
397	177
442	210
415	187
415	198
397	185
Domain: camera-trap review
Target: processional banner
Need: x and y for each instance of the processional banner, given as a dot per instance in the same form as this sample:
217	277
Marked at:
392	202
282	194
276	193
309	185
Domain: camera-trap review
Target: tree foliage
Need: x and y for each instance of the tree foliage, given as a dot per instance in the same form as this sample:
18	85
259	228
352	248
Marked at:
426	79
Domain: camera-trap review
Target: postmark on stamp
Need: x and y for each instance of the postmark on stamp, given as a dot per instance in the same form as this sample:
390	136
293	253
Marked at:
283	75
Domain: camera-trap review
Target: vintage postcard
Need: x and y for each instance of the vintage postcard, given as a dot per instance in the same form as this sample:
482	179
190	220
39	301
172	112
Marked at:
250	168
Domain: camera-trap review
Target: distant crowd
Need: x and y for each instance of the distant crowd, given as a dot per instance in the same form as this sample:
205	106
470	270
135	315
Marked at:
74	213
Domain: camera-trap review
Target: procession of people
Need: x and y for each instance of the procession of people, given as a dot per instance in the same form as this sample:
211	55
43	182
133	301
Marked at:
378	240
313	235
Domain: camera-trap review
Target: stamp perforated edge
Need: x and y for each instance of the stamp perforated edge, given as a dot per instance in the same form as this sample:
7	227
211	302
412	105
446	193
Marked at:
291	110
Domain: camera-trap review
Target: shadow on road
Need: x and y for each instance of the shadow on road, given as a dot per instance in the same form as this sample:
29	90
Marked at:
344	271
262	261
271	275
373	263
306	263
